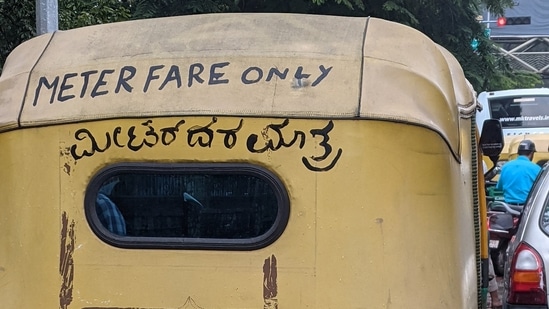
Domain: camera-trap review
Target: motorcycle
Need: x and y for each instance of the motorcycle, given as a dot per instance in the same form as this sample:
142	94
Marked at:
503	220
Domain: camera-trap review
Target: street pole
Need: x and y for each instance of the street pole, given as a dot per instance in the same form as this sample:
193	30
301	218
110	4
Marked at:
46	16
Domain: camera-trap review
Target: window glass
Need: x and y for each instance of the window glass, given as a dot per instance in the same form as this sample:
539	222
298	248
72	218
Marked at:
234	206
521	111
536	192
545	219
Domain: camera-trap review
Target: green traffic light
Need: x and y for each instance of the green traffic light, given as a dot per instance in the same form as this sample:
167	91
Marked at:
474	44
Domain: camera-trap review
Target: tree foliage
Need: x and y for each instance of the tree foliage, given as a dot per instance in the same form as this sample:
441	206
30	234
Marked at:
18	18
78	13
450	23
17	24
164	8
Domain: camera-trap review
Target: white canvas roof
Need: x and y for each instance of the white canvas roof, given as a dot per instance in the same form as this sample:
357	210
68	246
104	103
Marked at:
269	65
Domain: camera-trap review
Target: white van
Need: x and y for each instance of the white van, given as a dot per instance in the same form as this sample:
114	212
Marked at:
523	114
520	111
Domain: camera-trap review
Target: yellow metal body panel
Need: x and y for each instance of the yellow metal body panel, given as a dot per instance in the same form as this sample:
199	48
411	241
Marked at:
379	230
390	225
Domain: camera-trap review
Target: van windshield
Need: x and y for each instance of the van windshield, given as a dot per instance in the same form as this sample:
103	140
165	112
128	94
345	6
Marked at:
521	111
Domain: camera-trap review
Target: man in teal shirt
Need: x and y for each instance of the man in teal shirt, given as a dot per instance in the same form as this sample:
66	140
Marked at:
517	176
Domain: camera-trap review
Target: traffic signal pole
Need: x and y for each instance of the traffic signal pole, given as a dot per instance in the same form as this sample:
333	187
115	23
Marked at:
46	16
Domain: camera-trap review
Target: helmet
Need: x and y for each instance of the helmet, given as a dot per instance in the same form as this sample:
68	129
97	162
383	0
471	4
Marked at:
527	146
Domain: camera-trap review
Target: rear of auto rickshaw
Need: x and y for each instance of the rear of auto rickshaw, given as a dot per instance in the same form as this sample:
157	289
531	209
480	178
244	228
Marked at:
541	140
238	161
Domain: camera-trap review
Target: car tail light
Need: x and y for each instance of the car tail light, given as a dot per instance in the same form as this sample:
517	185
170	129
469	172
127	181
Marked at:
527	278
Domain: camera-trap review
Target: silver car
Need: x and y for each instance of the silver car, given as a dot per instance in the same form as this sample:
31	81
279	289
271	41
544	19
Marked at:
525	276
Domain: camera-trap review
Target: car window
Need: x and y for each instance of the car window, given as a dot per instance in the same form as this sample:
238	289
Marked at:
544	217
536	189
208	206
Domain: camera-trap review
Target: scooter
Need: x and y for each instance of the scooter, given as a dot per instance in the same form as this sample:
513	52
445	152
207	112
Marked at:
503	220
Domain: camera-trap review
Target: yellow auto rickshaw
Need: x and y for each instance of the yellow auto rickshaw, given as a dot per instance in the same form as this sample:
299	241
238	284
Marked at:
541	156
238	161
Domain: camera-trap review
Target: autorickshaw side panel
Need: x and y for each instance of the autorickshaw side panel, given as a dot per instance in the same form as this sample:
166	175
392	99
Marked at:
29	224
387	209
